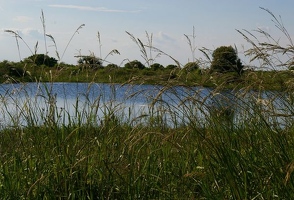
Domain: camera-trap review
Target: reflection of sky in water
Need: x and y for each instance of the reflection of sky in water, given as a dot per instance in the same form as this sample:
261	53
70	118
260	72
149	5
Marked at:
21	103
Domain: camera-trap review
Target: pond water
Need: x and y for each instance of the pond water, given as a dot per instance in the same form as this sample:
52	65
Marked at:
63	103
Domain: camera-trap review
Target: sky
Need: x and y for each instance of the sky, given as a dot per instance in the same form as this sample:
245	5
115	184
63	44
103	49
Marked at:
75	24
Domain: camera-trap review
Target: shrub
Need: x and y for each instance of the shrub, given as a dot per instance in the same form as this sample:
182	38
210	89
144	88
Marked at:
191	66
225	59
90	61
156	66
16	71
111	66
135	64
41	59
171	66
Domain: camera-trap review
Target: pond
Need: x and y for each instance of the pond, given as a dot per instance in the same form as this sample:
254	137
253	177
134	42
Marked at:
64	103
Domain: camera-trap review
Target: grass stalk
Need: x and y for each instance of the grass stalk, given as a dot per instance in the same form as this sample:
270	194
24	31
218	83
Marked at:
184	143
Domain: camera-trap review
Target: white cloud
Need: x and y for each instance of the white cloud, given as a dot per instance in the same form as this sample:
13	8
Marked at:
26	32
32	32
88	8
22	19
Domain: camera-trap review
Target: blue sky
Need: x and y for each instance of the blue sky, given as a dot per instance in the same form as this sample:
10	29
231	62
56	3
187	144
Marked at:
215	23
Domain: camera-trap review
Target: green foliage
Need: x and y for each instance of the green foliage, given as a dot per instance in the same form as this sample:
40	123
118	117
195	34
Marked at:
4	67
23	71
148	72
171	66
16	71
225	59
41	59
111	66
135	64
218	158
156	66
191	66
13	72
90	61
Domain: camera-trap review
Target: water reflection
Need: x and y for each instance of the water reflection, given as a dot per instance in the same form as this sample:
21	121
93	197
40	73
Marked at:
63	103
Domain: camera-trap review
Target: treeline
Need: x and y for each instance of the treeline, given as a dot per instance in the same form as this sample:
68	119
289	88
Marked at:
224	60
223	68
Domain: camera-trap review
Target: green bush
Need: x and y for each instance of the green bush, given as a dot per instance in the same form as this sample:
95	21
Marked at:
156	66
148	72
41	59
225	59
171	66
111	66
135	64
90	61
191	66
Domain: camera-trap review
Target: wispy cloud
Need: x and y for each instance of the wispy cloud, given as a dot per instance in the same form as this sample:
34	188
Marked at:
26	32
35	33
163	36
96	9
163	40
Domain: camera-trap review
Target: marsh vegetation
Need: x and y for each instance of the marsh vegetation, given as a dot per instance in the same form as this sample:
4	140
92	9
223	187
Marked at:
234	142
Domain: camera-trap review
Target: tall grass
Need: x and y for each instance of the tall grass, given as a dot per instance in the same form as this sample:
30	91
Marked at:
187	142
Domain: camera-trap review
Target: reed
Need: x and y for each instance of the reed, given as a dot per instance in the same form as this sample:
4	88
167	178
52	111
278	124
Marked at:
186	143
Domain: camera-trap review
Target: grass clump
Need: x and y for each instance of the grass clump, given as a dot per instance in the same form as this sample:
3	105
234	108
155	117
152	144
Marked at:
233	140
208	152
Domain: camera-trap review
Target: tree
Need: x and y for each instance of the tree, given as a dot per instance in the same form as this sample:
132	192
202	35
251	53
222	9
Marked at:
111	66
225	59
156	66
90	61
41	59
135	64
